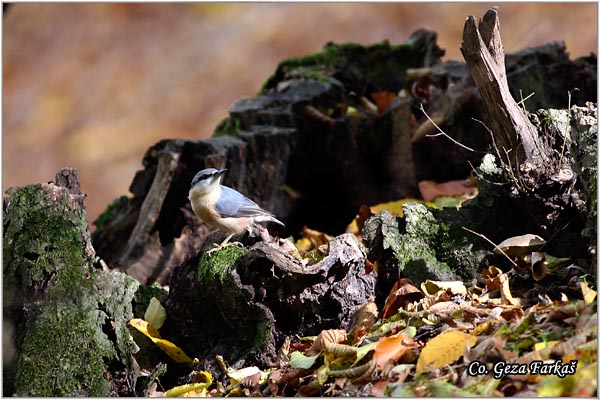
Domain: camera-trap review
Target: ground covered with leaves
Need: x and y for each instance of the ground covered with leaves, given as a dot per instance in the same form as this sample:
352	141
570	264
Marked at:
515	330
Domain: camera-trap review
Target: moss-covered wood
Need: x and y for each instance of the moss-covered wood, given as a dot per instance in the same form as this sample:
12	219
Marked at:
68	317
241	303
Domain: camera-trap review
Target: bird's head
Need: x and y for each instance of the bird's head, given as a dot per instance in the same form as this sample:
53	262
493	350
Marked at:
206	178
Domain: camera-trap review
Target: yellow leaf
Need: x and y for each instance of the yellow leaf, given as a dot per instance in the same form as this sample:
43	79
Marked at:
155	313
189	390
238	375
588	294
168	347
542	345
444	349
432	287
303	244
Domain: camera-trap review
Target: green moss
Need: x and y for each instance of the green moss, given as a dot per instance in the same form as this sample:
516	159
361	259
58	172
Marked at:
61	356
216	266
219	285
228	126
419	250
48	267
375	63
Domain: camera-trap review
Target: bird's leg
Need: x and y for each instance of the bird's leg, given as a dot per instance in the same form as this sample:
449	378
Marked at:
224	244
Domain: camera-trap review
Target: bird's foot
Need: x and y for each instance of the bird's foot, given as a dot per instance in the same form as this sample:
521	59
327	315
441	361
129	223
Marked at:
217	247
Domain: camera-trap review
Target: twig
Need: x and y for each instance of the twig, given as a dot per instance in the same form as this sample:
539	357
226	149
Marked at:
493	244
492	136
522	102
562	150
445	134
479	176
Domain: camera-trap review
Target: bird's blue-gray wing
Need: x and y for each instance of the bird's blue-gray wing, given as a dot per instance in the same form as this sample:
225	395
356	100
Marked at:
235	204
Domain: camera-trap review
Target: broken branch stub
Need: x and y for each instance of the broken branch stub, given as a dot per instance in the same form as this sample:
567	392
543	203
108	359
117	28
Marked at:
484	53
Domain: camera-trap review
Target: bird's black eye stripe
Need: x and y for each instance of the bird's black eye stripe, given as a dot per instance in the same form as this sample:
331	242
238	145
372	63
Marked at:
199	177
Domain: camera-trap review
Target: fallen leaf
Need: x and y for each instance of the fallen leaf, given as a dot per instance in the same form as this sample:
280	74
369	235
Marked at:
238	375
299	360
362	320
543	345
189	390
379	387
538	266
444	349
444	309
392	348
402	293
198	389
325	337
496	279
155	313
169	348
431	190
363	351
582	384
519	245
588	294
438	388
432	287
315	237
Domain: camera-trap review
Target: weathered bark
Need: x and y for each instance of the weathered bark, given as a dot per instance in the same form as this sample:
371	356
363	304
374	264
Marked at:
484	53
251	299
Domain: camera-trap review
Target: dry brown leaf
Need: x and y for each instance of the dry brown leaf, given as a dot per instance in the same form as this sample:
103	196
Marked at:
378	388
362	320
519	245
430	190
326	337
444	309
315	237
402	293
496	279
444	349
392	348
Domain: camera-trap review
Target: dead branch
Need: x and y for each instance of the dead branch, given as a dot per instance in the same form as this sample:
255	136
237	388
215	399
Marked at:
484	53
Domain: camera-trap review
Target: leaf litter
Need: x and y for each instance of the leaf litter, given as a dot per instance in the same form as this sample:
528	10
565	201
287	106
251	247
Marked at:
444	339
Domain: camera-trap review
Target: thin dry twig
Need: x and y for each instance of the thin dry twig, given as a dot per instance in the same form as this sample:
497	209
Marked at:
491	136
522	102
493	244
445	134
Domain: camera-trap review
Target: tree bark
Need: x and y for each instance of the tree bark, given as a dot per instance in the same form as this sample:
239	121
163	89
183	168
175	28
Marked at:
484	53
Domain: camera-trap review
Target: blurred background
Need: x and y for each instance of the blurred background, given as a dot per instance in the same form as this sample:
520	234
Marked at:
93	85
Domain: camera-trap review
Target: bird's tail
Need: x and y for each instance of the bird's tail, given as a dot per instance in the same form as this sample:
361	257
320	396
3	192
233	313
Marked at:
268	218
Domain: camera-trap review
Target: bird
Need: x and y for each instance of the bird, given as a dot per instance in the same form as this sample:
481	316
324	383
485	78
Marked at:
224	208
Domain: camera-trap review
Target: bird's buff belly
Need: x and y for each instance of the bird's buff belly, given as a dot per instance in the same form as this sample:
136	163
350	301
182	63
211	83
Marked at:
227	225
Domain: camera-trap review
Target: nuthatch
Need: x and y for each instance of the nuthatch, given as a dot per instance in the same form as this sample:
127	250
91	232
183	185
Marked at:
224	208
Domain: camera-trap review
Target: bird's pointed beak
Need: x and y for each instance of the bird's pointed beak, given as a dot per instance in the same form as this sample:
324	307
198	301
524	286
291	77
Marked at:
219	174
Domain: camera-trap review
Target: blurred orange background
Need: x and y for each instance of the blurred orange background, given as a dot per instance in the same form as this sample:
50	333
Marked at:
93	85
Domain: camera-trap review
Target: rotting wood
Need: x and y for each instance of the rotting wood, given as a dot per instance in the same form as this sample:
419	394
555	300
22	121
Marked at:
484	53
